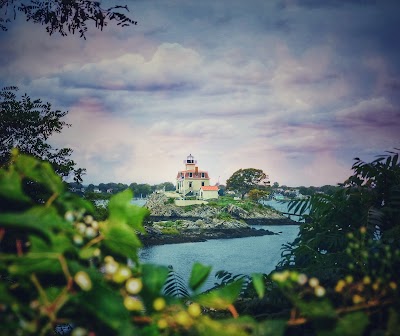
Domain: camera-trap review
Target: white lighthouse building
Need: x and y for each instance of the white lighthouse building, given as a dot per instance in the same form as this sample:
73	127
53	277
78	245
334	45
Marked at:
193	182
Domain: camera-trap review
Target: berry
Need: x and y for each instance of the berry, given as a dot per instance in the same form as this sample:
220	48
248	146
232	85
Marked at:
134	285
122	274
319	291
83	280
90	232
194	310
162	323
313	282
159	304
131	303
88	219
111	267
183	319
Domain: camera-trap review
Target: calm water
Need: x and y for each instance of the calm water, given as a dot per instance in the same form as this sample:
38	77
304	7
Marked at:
238	256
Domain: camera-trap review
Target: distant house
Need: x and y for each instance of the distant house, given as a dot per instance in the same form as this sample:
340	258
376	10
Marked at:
189	182
109	191
208	192
96	190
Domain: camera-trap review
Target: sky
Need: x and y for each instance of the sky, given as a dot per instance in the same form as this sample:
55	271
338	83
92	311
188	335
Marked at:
297	88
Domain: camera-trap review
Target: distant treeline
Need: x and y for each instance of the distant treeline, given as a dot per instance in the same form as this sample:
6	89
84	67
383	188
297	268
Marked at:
139	189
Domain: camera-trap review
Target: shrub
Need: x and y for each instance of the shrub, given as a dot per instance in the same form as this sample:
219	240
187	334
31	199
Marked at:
170	231
62	267
224	216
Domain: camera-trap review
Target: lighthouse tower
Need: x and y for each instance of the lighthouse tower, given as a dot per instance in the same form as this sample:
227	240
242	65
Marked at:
190	162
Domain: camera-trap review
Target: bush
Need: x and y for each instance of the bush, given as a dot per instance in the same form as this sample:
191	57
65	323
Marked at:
61	267
170	231
224	216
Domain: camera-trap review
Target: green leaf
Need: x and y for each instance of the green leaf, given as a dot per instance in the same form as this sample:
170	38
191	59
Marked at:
103	302
39	219
221	298
352	324
122	211
11	187
39	171
230	327
35	263
271	327
258	283
121	239
315	308
154	277
199	275
87	252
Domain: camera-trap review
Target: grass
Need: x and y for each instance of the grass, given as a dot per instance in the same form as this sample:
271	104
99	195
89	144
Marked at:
224	216
170	231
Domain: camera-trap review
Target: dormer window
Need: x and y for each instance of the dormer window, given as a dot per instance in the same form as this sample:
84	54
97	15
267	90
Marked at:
190	174
181	175
202	175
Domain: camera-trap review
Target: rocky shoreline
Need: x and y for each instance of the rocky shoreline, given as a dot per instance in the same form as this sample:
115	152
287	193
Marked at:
154	238
170	224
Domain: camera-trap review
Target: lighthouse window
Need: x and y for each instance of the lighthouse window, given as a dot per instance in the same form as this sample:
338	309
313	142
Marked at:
202	184
190	184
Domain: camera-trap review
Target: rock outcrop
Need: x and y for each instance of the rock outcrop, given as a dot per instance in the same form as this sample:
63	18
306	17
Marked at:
160	205
169	223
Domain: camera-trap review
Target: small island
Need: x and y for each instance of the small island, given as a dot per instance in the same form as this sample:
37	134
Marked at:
220	218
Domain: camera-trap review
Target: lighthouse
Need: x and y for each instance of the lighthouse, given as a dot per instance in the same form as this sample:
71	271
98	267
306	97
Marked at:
193	182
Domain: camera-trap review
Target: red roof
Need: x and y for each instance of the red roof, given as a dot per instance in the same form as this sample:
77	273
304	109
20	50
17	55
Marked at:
209	188
194	175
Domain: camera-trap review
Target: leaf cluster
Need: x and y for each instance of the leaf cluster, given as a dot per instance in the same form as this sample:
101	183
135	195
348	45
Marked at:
244	180
27	125
65	16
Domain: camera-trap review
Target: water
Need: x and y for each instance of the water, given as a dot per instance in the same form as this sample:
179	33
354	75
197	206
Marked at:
238	256
283	207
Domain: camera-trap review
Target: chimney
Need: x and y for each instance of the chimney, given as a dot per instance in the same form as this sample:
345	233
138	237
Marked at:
196	170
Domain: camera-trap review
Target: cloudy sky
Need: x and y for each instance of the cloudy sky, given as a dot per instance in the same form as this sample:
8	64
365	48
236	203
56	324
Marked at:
297	88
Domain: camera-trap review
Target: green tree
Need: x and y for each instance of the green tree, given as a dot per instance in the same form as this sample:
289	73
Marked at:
256	194
64	17
275	185
243	180
27	125
368	199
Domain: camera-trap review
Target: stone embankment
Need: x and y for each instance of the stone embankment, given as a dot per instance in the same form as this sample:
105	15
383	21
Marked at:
169	223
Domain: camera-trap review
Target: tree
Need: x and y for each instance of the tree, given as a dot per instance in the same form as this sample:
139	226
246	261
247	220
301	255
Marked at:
368	201
64	16
275	185
256	194
27	125
244	180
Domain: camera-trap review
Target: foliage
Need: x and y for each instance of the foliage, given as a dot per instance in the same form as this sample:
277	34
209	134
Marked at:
170	231
257	195
243	180
64	16
27	124
175	285
224	216
369	198
67	267
62	267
